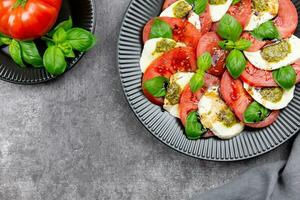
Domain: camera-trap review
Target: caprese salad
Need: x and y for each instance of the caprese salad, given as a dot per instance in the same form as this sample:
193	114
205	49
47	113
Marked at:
222	65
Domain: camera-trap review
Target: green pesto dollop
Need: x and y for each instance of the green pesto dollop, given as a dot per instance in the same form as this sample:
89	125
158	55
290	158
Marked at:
227	117
217	2
272	94
276	52
182	9
266	6
164	45
173	93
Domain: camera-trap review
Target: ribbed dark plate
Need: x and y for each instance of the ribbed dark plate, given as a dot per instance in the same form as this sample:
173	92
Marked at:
83	14
166	128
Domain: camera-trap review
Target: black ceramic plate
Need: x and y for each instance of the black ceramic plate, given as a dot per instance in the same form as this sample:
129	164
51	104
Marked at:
83	15
166	128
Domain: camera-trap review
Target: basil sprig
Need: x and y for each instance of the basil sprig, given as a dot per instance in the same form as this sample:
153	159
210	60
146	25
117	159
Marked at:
157	86
256	113
235	2
229	28
160	29
266	31
198	5
193	128
285	77
204	63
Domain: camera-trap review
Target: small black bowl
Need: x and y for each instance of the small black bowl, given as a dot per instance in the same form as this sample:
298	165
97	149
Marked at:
83	15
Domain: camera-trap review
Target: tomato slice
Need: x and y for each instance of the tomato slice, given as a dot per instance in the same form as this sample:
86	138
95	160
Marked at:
287	19
257	77
237	98
209	43
241	11
181	59
256	44
183	31
189	100
296	66
267	122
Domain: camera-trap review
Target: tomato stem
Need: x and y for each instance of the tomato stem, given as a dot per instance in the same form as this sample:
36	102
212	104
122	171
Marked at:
19	3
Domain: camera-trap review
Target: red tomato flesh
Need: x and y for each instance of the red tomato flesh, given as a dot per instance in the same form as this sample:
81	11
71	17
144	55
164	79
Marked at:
287	19
182	59
209	43
256	44
183	31
30	20
241	11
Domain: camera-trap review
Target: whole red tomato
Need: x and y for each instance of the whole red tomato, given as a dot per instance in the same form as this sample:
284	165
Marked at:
28	19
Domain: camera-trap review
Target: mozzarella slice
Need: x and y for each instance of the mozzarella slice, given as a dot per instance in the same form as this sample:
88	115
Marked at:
287	97
211	109
257	19
258	61
149	53
169	12
218	11
181	79
194	19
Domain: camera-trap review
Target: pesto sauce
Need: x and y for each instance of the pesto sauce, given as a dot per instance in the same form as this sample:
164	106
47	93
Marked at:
276	52
182	9
164	45
265	5
227	117
217	2
173	93
272	94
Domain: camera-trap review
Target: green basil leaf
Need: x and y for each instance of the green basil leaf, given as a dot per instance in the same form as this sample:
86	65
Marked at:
229	28
30	53
161	29
266	31
67	50
16	53
54	60
193	128
5	40
243	44
60	36
66	25
80	39
197	81
235	2
236	63
204	61
256	113
227	44
200	6
285	77
157	86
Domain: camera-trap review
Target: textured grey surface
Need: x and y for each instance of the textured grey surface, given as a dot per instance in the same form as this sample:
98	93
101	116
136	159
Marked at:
76	138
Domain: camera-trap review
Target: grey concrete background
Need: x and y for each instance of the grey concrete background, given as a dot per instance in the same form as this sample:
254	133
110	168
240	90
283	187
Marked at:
76	138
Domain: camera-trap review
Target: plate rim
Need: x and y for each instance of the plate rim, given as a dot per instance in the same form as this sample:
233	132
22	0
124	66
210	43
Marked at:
145	126
72	63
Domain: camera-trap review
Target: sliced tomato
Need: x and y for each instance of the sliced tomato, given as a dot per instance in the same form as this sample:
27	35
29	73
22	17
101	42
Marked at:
256	44
214	27
237	98
267	122
168	3
287	19
257	77
206	21
241	11
209	43
181	59
183	31
189	100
